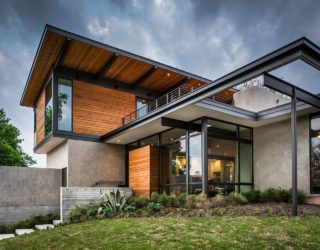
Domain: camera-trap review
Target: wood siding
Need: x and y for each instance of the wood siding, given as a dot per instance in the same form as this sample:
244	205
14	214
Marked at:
98	110
40	107
144	170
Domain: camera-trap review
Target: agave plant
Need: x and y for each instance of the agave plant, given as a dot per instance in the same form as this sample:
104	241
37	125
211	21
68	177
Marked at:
113	202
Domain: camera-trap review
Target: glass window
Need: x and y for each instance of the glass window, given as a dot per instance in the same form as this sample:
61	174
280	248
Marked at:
245	163
48	109
178	189
142	107
173	163
315	155
64	105
221	129
245	133
152	141
195	171
172	135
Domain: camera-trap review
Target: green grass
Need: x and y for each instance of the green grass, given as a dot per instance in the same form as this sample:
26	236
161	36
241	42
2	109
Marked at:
179	233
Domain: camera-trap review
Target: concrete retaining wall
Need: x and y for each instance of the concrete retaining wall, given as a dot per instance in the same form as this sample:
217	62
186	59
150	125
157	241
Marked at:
79	196
27	192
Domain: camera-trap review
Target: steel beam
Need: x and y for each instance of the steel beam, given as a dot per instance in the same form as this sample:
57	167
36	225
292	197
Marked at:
105	82
103	71
204	154
294	152
144	77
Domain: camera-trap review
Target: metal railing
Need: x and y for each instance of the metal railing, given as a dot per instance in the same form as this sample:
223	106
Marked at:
162	101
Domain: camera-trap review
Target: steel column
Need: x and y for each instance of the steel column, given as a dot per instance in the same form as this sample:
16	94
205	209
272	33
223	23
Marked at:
294	151
187	161
204	154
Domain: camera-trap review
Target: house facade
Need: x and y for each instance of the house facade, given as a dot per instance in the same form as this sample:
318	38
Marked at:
112	118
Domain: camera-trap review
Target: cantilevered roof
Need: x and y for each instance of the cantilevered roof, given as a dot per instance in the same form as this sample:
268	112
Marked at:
62	48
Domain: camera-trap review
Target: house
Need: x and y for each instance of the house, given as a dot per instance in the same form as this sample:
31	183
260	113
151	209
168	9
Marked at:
113	118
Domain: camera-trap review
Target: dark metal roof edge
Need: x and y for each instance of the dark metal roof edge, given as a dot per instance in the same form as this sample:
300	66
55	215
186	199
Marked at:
125	53
33	63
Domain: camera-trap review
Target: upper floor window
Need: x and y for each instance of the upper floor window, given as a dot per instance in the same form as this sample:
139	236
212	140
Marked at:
315	155
64	104
48	108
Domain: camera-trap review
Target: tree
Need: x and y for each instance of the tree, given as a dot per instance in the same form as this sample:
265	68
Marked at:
11	153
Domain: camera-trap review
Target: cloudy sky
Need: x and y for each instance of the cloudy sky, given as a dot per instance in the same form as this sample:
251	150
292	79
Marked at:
209	38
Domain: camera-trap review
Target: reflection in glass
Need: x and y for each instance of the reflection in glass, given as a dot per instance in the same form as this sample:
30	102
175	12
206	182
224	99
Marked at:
173	163
315	155
48	109
195	159
64	105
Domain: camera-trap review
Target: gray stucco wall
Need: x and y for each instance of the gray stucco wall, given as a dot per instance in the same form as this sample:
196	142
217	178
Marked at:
272	155
92	162
58	157
27	192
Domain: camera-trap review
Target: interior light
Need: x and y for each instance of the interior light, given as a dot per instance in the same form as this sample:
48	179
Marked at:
217	145
168	74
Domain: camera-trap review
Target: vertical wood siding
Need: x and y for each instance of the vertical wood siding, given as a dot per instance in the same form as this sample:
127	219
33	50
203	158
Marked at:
40	108
98	110
144	171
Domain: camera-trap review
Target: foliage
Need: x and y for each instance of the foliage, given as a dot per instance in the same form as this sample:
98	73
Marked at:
172	200
11	153
154	207
130	208
115	202
29	223
138	202
235	198
272	195
191	201
79	213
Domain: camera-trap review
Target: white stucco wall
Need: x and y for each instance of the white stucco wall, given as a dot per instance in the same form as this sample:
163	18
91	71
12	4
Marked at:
272	155
258	98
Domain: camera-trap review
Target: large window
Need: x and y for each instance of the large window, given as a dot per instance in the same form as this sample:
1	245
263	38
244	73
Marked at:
315	155
173	161
64	104
229	157
48	108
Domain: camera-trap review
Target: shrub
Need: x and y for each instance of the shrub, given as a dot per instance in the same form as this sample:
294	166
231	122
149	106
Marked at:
236	198
253	196
218	200
154	207
155	197
182	199
191	201
79	213
130	208
201	201
139	202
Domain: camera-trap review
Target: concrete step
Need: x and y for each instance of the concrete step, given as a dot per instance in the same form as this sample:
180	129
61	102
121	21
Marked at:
44	227
6	236
23	231
56	222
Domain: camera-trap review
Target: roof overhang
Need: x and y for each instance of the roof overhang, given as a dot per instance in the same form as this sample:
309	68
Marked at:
60	48
302	49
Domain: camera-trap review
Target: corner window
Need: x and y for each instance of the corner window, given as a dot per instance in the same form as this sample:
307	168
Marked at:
315	155
48	109
64	104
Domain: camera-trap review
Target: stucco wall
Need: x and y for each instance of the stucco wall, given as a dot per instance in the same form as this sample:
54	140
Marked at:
272	155
58	157
27	192
258	98
92	162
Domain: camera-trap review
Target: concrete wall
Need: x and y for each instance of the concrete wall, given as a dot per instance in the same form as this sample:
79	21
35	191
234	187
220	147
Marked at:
27	192
58	157
272	155
77	196
258	98
92	162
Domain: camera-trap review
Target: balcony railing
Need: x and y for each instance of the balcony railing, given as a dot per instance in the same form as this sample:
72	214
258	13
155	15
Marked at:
162	101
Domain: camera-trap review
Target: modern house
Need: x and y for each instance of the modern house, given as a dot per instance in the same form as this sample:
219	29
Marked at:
113	118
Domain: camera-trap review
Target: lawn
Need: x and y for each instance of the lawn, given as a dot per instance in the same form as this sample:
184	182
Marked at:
225	232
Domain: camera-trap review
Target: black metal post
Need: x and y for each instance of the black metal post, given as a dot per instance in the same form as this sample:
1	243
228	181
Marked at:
204	154
294	151
187	160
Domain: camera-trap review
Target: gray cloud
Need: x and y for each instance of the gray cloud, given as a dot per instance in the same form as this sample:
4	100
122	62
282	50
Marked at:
209	38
